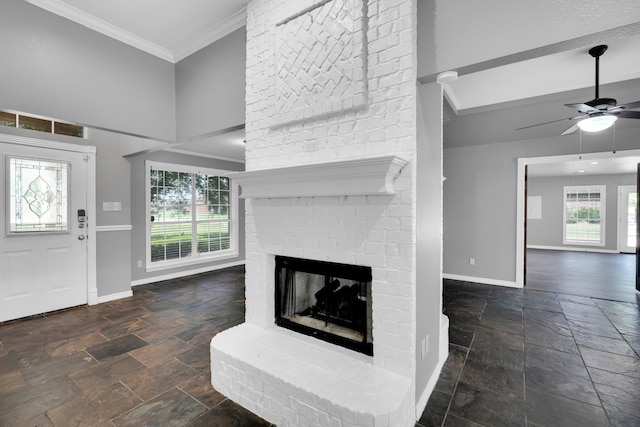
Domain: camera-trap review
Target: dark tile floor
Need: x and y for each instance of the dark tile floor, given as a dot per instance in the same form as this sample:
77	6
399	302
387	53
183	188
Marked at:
140	361
532	358
517	357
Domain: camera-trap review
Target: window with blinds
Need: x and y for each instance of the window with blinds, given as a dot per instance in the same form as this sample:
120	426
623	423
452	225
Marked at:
584	213
192	215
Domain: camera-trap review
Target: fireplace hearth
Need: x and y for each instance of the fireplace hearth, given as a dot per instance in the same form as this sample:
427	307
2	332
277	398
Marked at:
326	300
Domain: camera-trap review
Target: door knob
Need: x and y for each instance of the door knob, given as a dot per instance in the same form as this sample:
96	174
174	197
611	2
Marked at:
81	237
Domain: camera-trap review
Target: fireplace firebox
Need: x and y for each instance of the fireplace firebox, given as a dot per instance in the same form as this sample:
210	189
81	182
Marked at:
326	300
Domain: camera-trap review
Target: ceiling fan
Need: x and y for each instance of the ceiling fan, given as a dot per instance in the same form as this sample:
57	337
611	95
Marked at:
599	113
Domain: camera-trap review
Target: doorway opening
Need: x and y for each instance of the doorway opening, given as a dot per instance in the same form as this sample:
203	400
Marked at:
627	218
534	207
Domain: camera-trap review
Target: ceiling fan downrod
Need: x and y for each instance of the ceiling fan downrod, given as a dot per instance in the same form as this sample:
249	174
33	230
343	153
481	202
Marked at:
597	52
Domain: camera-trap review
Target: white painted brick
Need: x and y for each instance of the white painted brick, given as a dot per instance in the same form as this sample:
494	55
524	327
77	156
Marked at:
327	230
395	315
398	289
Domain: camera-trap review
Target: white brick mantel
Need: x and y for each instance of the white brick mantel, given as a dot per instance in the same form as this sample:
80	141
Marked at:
372	176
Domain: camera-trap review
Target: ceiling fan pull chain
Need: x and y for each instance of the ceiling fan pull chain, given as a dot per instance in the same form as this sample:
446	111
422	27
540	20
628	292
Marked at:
614	138
580	156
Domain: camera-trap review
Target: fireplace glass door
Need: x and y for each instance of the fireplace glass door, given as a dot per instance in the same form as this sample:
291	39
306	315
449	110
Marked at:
326	300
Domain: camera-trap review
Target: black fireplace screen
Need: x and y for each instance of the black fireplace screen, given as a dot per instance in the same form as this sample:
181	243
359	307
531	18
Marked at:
326	300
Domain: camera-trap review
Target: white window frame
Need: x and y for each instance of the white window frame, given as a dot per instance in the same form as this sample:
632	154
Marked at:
603	205
195	257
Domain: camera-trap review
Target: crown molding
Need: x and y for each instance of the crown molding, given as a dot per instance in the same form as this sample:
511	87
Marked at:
78	16
218	31
234	22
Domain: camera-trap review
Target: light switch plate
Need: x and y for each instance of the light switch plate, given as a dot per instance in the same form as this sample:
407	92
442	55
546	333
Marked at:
111	206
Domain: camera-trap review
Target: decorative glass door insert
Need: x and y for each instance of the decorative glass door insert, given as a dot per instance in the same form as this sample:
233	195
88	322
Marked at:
38	192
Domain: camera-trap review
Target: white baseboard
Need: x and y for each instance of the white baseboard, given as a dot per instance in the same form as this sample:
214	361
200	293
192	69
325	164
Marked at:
92	296
569	248
113	297
185	273
443	353
482	280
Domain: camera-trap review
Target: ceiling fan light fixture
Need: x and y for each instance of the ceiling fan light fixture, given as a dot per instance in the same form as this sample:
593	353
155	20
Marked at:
597	123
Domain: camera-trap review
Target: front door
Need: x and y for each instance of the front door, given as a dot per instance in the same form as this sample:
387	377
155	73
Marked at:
43	237
627	205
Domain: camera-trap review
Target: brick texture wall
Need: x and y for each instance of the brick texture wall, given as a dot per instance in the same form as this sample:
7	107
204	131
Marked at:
327	81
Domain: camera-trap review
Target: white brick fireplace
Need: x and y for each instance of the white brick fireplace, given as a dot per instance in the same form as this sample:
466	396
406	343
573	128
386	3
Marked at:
331	149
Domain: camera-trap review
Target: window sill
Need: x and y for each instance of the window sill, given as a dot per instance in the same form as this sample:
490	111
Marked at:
583	244
185	262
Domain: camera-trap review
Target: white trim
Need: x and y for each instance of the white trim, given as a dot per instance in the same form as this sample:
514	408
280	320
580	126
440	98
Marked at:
218	31
208	156
195	258
443	354
623	194
96	24
482	280
572	249
177	167
522	162
92	262
520	217
221	29
113	297
92	296
44	143
450	95
185	273
124	227
369	176
192	260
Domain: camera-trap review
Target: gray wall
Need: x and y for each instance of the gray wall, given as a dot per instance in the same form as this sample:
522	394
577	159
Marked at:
54	67
480	198
113	184
429	231
547	231
210	87
57	68
138	205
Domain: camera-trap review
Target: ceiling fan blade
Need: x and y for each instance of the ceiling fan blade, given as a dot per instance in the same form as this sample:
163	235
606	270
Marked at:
572	129
552	121
583	108
630	106
628	114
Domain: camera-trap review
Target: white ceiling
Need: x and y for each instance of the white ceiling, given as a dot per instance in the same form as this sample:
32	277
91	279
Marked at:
560	72
591	166
172	30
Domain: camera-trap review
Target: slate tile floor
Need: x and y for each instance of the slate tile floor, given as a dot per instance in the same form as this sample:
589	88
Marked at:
533	358
140	361
517	358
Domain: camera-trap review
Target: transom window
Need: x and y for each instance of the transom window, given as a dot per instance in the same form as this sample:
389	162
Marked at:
584	213
40	124
192	215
